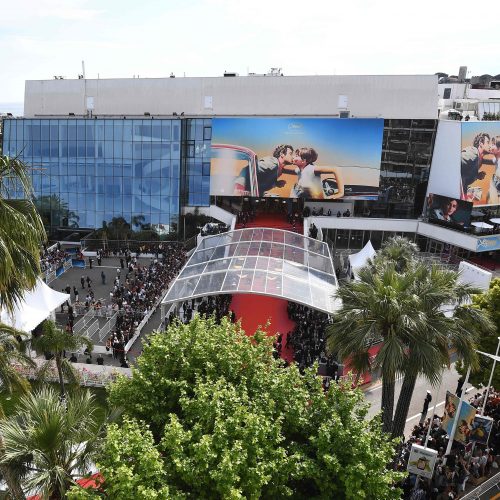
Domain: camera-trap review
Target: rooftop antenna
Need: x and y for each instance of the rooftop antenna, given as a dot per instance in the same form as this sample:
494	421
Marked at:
83	69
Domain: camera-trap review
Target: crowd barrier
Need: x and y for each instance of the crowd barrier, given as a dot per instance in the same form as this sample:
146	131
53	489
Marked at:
82	323
146	318
483	488
51	274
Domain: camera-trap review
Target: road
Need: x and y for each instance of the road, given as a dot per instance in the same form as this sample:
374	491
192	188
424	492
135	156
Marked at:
449	382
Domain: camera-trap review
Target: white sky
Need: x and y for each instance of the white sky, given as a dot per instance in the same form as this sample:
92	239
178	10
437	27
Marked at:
152	38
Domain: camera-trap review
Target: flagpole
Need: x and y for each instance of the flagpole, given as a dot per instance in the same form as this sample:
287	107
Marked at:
457	415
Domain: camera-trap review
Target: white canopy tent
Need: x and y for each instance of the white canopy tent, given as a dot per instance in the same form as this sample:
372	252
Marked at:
360	259
35	306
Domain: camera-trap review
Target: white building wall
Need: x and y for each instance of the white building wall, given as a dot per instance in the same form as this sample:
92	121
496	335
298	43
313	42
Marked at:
445	175
367	96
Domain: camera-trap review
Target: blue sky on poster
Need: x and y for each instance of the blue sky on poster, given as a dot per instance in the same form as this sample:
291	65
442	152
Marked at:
152	38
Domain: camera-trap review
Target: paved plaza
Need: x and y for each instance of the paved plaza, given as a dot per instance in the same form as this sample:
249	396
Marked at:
109	266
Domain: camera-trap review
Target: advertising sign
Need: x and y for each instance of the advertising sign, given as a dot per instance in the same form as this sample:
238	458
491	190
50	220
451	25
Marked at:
422	461
465	419
449	211
481	428
488	243
480	179
311	158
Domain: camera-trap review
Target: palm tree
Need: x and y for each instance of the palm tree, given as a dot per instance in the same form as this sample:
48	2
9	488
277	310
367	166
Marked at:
376	308
49	442
439	291
56	341
406	311
21	233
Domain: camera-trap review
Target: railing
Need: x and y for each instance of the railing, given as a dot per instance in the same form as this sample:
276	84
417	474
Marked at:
146	318
106	329
489	483
51	274
82	322
50	277
93	328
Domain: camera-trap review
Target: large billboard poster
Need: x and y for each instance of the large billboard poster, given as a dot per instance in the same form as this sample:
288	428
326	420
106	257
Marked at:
479	172
449	211
312	158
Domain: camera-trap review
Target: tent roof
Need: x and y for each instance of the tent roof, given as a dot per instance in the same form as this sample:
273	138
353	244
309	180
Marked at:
358	260
264	261
36	305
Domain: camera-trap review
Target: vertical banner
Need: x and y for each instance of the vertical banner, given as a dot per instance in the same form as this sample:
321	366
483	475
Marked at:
465	419
311	158
422	461
481	429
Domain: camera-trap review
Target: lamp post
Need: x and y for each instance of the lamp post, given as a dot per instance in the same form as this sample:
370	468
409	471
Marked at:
491	378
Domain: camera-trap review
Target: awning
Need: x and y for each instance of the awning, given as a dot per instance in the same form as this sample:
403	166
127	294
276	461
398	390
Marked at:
35	306
263	261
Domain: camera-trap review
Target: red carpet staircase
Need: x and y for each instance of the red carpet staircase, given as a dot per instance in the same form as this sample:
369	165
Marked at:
276	221
256	311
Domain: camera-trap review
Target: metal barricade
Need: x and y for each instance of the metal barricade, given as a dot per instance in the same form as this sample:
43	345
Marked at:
106	329
82	323
93	328
50	276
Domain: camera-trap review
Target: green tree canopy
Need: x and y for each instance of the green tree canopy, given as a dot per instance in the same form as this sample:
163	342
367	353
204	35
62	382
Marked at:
49	442
227	420
489	302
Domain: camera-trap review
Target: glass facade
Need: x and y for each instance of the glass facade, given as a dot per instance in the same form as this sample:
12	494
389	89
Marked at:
197	135
87	172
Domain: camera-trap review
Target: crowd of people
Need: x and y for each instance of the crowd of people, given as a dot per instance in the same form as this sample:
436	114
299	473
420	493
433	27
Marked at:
52	259
212	228
136	291
465	463
216	306
245	216
308	339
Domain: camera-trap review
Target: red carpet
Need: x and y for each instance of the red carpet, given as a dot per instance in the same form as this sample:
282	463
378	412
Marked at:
276	221
256	310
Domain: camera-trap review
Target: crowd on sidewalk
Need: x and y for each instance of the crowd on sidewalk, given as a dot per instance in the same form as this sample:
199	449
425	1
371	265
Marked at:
465	463
52	259
136	291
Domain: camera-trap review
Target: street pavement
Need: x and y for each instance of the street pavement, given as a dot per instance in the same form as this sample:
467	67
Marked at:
449	382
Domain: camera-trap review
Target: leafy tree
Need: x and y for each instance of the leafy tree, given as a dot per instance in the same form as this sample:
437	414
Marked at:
401	301
49	442
488	302
56	341
230	421
131	465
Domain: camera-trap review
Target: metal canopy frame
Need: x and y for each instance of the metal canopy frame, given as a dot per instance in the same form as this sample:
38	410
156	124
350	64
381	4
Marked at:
264	261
